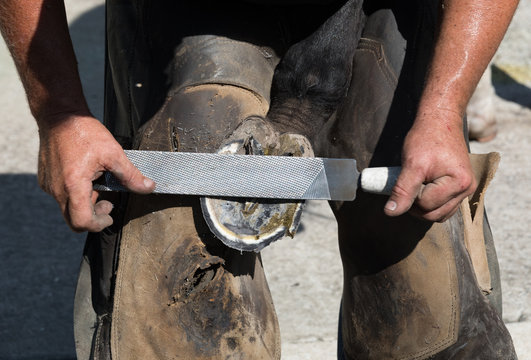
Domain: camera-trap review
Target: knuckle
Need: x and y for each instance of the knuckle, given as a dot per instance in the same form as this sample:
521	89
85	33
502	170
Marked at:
466	181
434	217
473	185
117	163
400	191
79	225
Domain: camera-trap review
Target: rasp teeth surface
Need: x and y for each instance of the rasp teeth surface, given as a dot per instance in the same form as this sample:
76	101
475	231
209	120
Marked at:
273	177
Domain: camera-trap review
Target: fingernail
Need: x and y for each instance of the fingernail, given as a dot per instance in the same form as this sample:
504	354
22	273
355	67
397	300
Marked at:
391	206
148	183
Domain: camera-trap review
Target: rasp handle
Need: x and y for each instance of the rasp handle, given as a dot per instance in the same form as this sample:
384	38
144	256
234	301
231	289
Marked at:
379	180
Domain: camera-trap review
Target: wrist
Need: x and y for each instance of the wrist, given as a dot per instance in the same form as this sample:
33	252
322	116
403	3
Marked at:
55	117
49	106
64	124
440	113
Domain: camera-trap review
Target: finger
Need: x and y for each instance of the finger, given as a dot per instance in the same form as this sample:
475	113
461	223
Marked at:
130	176
440	192
80	212
94	196
103	207
94	222
436	194
440	214
404	192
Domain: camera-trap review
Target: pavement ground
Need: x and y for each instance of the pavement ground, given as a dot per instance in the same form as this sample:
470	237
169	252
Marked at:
39	256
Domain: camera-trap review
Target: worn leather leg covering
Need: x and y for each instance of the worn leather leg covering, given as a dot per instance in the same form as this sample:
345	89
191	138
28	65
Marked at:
410	291
482	334
177	292
182	294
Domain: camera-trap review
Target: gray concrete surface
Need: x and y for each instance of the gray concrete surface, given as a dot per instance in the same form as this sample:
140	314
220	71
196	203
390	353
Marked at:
39	256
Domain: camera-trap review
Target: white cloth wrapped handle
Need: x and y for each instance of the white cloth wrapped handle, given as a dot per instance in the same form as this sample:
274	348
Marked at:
379	180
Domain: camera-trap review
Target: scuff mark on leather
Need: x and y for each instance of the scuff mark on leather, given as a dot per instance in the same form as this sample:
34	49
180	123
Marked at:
202	270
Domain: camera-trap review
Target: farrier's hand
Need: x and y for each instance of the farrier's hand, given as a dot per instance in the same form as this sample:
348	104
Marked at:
434	154
74	151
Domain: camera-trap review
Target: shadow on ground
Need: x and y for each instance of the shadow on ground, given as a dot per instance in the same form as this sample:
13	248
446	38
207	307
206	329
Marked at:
510	89
40	258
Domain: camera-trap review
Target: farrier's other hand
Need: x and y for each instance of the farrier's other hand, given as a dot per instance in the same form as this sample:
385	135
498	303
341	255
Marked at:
74	151
434	154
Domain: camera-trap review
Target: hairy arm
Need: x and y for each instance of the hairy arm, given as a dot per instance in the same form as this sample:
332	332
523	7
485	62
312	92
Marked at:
434	151
75	148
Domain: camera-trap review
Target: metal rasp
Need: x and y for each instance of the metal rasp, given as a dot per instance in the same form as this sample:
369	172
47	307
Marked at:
254	176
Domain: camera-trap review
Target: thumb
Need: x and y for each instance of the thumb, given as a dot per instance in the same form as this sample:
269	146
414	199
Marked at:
404	192
129	176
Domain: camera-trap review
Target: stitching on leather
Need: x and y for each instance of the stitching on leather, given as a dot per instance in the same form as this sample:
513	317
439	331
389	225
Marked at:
97	343
376	48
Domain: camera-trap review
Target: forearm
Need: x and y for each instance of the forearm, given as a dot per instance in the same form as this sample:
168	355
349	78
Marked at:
434	155
469	34
36	33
